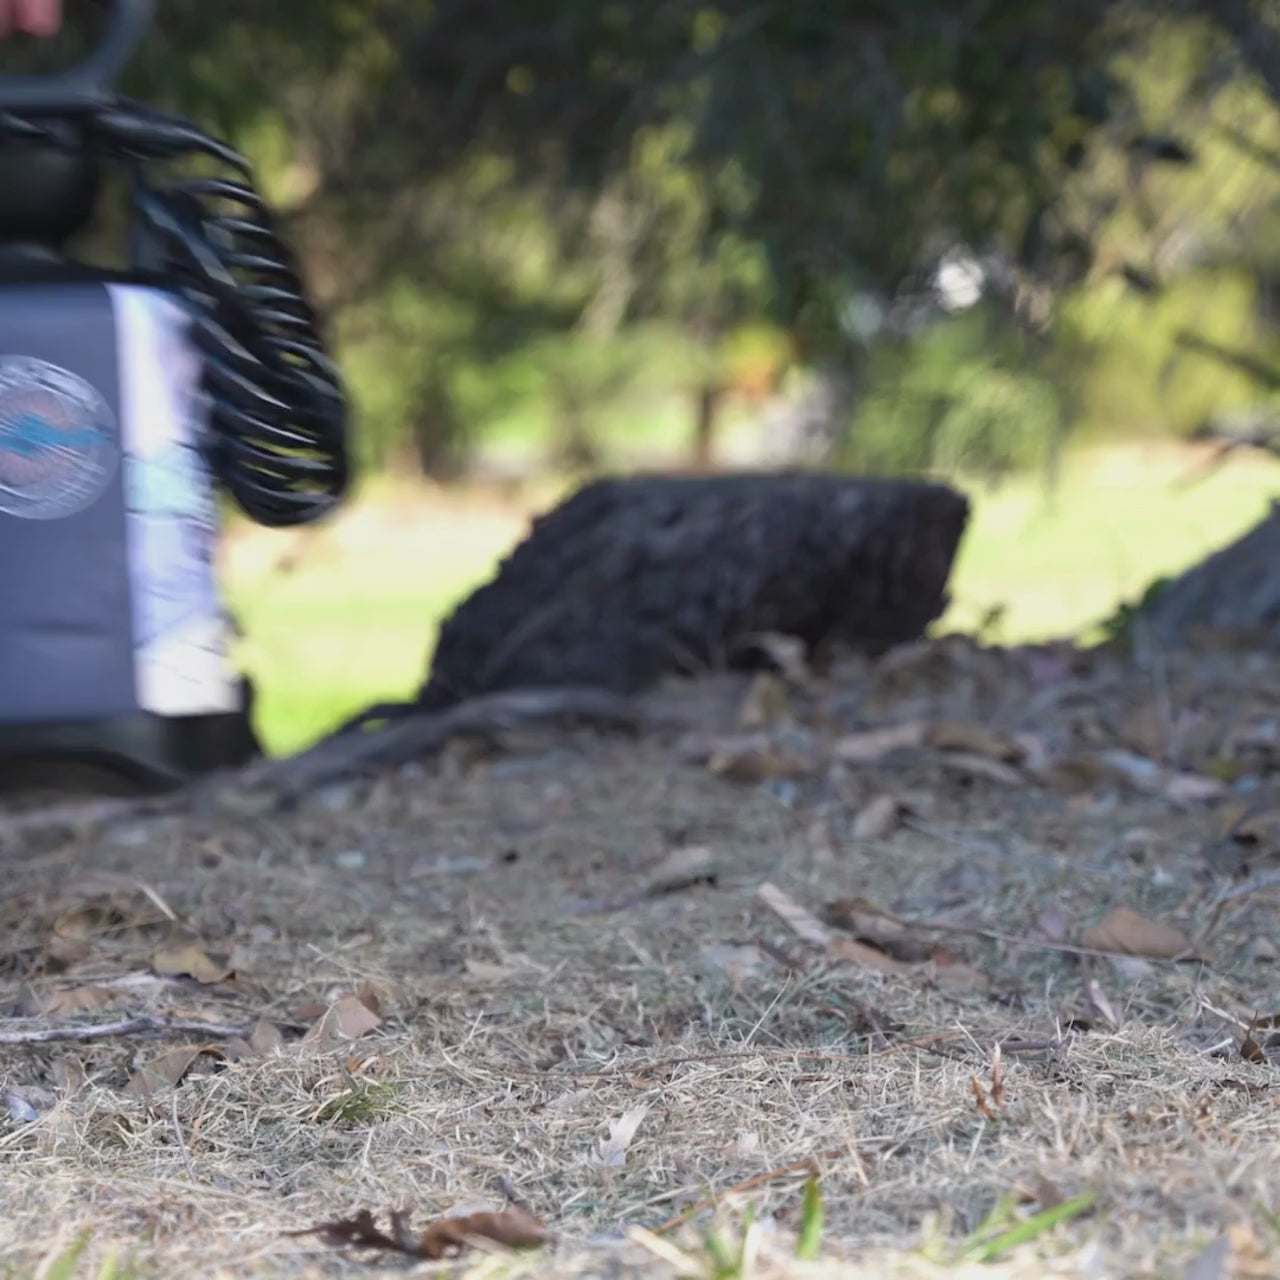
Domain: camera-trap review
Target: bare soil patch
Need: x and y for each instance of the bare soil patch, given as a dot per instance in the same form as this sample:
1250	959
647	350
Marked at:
866	925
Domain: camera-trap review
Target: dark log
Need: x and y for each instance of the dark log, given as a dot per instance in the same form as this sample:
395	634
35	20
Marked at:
1235	590
631	579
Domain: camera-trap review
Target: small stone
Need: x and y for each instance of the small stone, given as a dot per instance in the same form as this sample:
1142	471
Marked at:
350	859
335	798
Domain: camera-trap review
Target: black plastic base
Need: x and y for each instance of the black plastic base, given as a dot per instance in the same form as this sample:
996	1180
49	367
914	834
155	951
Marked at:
127	755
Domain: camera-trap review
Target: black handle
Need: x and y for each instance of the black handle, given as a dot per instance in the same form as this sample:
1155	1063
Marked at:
92	83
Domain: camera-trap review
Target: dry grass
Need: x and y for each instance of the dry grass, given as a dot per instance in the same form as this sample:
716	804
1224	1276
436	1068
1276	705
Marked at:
532	994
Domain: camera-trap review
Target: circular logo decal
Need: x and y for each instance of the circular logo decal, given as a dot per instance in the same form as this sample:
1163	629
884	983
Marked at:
57	440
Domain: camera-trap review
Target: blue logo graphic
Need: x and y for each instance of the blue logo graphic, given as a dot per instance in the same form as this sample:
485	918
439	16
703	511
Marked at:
58	446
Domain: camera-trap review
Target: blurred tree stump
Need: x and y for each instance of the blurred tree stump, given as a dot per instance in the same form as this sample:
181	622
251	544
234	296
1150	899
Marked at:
1235	591
630	579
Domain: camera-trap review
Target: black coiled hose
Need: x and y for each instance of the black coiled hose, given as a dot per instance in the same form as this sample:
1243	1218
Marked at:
278	408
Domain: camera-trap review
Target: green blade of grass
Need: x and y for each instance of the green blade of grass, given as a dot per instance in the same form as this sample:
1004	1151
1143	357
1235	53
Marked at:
1032	1227
64	1267
724	1259
811	1223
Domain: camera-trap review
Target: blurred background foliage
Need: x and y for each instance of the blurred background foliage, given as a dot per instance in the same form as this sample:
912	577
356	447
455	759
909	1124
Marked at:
975	238
898	235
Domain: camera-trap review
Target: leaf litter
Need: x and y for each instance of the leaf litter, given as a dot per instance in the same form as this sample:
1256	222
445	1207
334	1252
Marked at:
512	1228
964	938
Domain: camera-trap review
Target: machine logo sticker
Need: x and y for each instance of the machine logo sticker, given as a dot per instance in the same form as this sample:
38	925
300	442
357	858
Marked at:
58	446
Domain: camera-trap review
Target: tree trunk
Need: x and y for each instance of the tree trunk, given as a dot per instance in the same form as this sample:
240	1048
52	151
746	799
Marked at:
707	402
632	579
437	436
1235	590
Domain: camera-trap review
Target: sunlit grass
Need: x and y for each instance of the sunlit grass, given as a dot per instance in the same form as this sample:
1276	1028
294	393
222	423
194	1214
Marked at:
355	621
1122	518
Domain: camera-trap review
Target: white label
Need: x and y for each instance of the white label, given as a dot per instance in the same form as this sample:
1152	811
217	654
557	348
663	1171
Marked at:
182	637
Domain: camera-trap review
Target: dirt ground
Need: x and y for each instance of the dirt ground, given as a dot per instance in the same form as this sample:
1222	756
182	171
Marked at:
967	935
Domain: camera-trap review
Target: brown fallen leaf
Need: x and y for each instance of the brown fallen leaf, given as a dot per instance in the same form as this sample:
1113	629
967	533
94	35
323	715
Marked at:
189	959
263	1041
977	766
1124	930
801	921
863	956
168	1069
873	745
973	739
872	924
98	914
371	996
765	702
67	1001
877	818
757	762
1250	836
513	1228
101	912
348	1018
682	868
952	974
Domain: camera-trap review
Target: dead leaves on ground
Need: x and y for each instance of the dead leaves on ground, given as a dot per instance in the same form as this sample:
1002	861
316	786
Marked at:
1250	836
109	920
863	934
612	1151
347	1019
188	958
168	1069
932	964
1125	931
109	923
1264	1049
1047	716
511	1228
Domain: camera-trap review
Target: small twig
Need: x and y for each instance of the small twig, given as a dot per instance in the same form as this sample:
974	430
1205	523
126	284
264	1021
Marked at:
125	1027
809	1165
182	1142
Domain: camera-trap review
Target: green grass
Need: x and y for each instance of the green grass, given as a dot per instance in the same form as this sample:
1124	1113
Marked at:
1061	565
329	639
356	625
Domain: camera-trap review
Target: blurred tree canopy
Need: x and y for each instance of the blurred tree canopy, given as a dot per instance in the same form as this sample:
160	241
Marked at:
971	224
